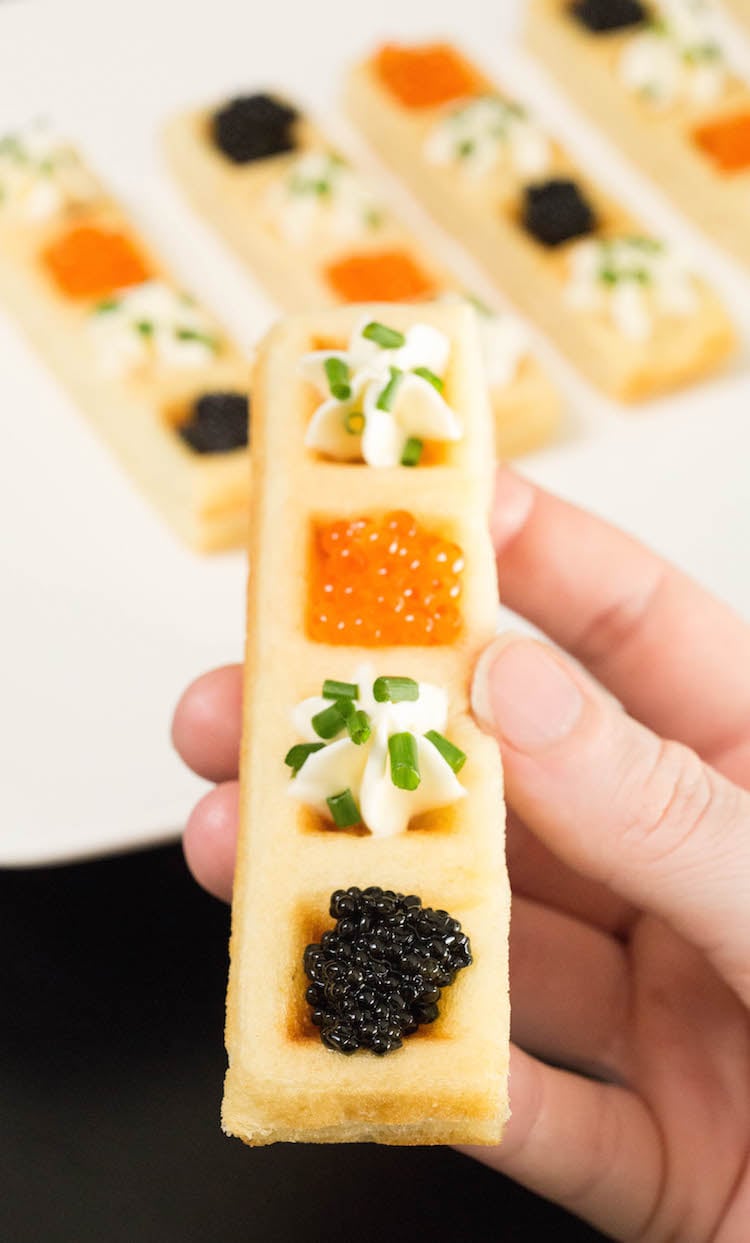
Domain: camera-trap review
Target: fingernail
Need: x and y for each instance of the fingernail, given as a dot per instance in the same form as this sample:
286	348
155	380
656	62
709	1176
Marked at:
524	694
514	498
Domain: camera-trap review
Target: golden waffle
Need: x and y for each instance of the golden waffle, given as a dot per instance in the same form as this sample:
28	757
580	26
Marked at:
486	215
671	143
204	496
249	204
448	1081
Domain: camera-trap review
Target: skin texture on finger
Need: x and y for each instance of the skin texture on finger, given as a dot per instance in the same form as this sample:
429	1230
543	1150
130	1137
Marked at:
592	1147
570	987
644	817
536	873
208	722
677	658
210	839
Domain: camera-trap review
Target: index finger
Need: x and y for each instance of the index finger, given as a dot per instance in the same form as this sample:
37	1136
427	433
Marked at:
676	657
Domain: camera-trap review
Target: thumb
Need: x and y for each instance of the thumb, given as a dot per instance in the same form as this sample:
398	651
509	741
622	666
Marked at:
642	815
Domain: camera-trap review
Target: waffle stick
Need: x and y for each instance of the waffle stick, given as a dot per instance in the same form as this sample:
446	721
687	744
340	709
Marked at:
486	216
665	142
448	1083
203	496
246	204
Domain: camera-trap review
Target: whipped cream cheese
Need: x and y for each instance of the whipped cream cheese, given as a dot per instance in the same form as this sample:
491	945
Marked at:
679	57
478	136
41	174
321	197
152	323
632	281
383	395
365	770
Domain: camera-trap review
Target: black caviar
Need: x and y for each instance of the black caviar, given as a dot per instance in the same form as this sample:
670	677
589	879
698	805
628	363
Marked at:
253	127
601	16
218	423
557	211
378	974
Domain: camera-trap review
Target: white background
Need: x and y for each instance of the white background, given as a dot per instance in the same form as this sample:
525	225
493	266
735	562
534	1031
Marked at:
104	617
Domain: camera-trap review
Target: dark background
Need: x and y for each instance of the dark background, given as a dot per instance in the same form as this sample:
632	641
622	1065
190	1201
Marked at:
112	980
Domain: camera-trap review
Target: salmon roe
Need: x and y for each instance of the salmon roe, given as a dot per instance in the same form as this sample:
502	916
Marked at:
91	262
727	142
425	76
380	276
378	582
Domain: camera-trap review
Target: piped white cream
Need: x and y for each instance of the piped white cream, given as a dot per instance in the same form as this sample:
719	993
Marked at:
41	174
321	197
385	402
365	770
632	281
478	136
679	57
152	322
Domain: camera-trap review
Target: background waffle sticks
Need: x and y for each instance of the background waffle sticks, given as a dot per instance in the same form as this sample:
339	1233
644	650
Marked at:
155	374
313	229
620	303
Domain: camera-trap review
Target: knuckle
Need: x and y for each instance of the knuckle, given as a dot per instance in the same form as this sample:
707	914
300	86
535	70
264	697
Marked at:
671	805
618	623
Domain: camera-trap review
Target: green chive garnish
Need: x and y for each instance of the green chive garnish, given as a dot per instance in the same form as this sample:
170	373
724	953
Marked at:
344	810
430	377
355	423
337	375
339	690
395	690
412	452
145	327
108	304
450	753
296	756
387	338
388	396
402	749
359	727
330	722
192	334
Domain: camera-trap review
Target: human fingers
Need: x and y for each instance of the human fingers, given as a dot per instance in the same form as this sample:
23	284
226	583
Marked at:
645	817
678	659
592	1147
210	839
207	724
537	873
571	991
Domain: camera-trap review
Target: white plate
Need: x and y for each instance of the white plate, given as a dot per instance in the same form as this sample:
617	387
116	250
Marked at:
105	617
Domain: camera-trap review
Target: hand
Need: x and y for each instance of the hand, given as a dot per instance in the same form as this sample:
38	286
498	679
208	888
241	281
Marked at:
629	857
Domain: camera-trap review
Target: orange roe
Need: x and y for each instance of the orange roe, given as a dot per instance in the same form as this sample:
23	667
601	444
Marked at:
91	262
379	582
380	276
425	76
727	142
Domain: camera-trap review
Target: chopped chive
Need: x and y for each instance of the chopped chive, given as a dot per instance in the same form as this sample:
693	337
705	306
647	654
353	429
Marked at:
395	690
412	452
108	304
330	722
145	327
296	756
402	749
344	810
337	374
359	727
387	338
466	148
430	377
355	422
388	396
452	754
192	334
374	218
339	690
